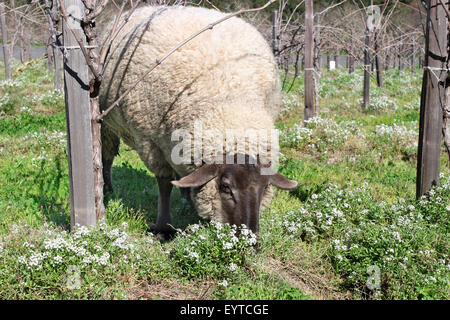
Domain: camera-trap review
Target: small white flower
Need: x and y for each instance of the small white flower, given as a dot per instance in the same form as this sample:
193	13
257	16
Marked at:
22	260
28	245
103	260
218	225
227	245
232	267
252	239
224	283
244	231
397	235
58	259
193	254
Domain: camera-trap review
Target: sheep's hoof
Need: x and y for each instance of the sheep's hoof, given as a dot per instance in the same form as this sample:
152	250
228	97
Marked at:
164	236
161	234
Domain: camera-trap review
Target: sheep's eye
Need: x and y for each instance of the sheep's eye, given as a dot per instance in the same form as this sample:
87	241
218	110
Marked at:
225	189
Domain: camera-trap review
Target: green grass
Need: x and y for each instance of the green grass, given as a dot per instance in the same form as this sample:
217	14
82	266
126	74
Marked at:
352	229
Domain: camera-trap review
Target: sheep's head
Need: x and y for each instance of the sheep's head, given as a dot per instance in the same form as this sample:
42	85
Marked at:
240	191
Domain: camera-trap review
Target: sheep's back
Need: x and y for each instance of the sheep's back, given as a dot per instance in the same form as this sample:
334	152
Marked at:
226	77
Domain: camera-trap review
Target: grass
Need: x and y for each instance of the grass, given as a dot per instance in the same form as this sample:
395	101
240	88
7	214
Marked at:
352	230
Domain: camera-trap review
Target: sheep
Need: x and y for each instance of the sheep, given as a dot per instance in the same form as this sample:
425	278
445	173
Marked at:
225	80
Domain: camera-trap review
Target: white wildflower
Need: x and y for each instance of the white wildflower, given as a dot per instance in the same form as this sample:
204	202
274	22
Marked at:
58	259
227	245
232	267
224	283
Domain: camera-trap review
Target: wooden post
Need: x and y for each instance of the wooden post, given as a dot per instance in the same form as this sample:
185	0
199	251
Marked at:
413	63
79	136
5	40
366	92
275	33
336	57
309	63
387	63
57	56
328	60
378	63
53	47
432	98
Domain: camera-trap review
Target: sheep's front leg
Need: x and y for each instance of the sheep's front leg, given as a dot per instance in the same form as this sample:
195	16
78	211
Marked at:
163	220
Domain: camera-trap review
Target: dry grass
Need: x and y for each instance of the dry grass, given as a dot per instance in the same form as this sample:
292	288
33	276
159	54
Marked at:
311	274
172	289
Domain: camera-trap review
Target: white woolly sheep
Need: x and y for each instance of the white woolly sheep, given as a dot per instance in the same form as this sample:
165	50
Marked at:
223	80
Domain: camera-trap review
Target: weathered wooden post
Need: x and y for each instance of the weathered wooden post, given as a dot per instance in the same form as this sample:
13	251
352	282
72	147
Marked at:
372	22
336	58
366	90
387	62
79	136
309	63
57	57
328	60
275	33
432	98
378	63
54	45
5	40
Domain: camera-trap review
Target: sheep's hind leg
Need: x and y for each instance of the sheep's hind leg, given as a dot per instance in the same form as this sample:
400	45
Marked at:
110	148
164	228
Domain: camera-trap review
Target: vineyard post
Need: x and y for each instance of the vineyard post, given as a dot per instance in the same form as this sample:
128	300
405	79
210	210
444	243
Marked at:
275	47
432	98
79	137
309	63
5	40
366	92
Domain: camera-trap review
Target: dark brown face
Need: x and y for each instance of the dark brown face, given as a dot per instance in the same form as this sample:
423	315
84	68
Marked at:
241	189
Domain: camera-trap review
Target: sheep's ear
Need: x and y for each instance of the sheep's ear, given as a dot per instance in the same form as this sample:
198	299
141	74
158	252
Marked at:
199	177
280	181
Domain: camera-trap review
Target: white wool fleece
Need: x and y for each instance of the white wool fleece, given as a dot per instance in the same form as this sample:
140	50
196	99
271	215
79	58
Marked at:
226	78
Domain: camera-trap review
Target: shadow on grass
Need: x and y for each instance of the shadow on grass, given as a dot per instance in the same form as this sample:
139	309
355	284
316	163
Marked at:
138	190
304	192
52	194
135	190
